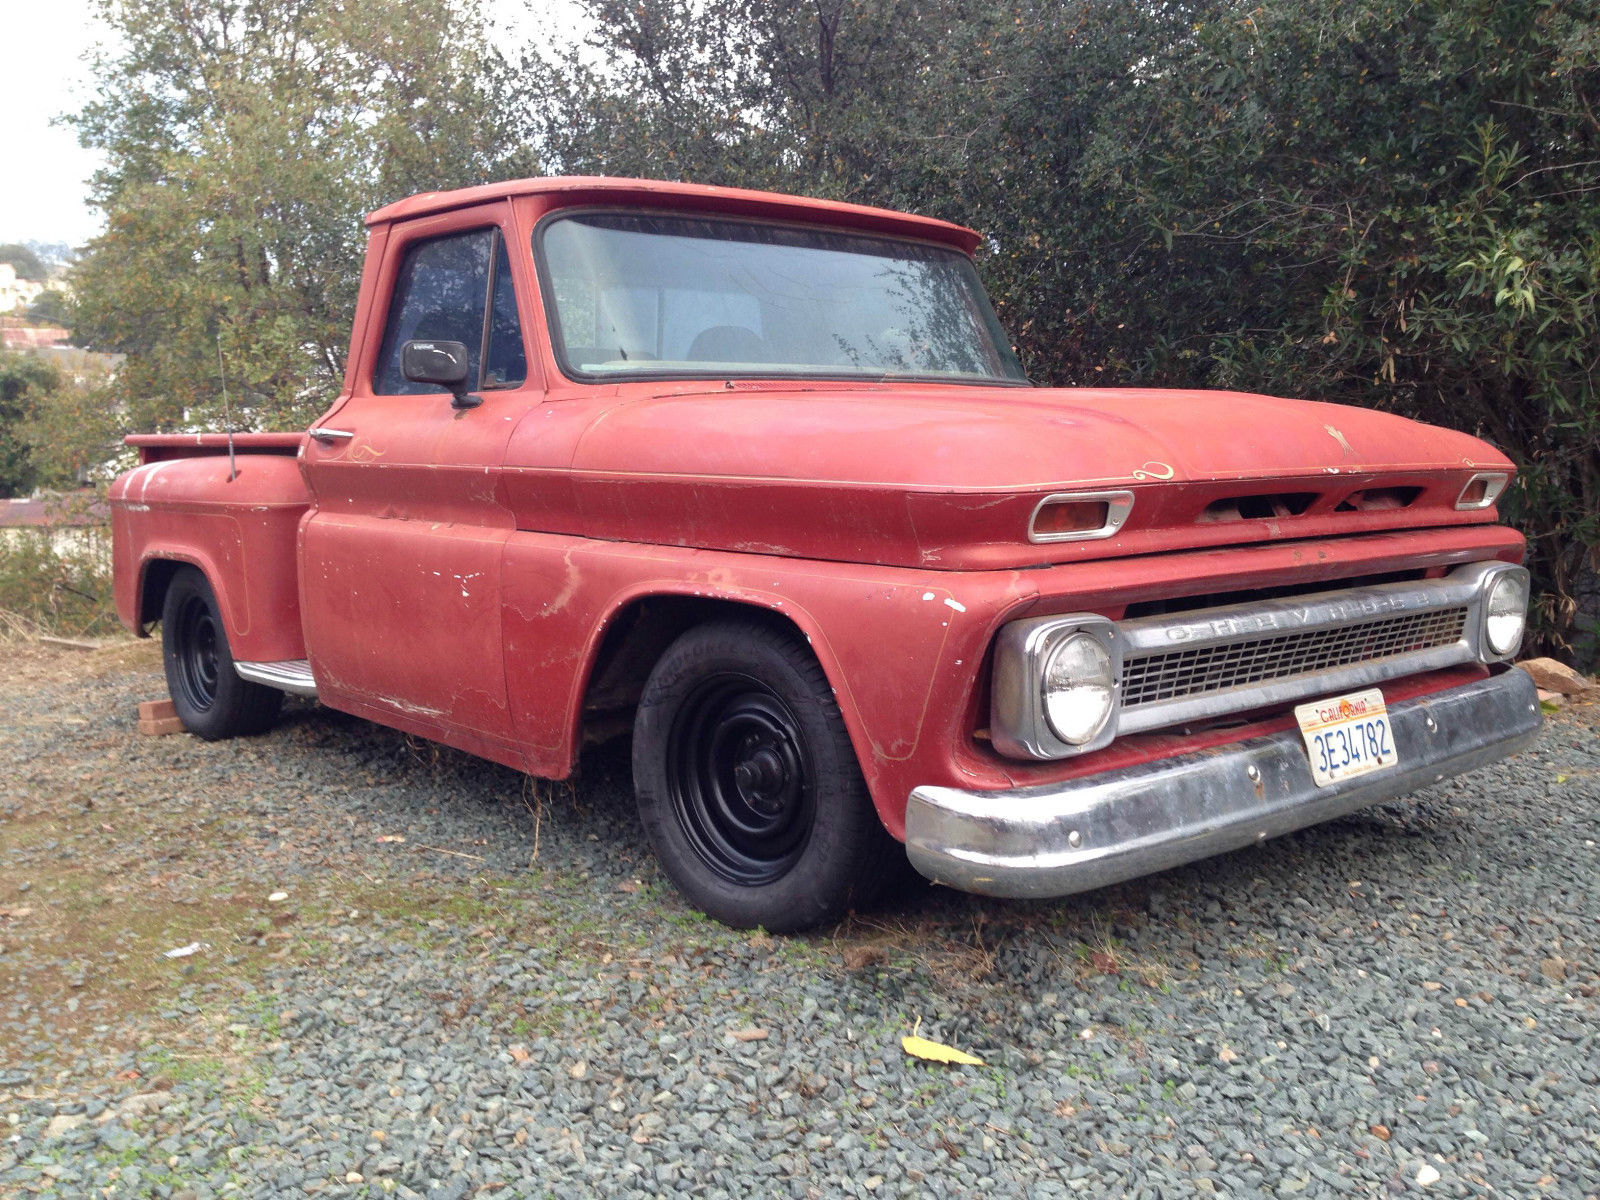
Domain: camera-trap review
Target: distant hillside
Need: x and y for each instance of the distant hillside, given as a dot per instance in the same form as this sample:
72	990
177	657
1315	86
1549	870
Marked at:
55	254
38	261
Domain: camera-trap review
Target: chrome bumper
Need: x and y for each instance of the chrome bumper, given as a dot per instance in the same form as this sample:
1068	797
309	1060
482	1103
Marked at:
1057	839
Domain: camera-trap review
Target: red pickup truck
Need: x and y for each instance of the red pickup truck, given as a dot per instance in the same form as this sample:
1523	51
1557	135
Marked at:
759	480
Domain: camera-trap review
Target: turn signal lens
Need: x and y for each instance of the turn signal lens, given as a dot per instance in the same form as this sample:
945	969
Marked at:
1482	490
1075	516
1079	689
1079	516
1505	613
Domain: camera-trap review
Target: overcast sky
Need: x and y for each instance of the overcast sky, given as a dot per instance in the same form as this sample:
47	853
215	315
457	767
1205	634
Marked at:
43	191
42	196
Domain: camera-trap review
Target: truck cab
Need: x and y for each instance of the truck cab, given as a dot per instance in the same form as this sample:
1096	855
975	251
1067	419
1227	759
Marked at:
759	481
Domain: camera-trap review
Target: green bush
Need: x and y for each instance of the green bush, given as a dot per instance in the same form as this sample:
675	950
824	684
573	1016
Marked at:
1389	205
1395	206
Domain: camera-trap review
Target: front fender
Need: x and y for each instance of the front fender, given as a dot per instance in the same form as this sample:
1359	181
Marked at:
885	637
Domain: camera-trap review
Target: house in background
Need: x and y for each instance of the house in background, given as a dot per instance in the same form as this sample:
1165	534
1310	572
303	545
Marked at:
16	293
71	524
16	336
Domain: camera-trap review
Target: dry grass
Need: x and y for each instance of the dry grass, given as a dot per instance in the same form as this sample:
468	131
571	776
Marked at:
28	662
65	593
959	950
112	869
1102	954
954	954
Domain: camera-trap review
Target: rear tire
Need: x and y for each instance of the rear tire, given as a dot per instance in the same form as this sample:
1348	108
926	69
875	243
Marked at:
747	784
211	699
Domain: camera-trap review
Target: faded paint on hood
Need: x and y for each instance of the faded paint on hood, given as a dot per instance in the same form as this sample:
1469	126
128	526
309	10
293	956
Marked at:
998	439
947	476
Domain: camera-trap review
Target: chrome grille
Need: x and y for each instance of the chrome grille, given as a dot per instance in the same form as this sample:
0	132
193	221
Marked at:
1202	670
1197	664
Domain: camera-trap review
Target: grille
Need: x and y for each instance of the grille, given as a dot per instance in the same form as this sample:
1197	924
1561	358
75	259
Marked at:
1178	674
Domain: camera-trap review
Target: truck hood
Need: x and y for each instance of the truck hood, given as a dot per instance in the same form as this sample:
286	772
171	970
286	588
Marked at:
949	476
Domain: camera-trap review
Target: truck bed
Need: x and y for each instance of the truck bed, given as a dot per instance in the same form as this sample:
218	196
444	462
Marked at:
184	505
162	447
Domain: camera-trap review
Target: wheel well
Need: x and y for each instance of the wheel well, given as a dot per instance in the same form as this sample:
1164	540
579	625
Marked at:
158	576
634	642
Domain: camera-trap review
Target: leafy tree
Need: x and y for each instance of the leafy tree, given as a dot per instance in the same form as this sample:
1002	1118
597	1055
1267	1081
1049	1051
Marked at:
53	307
23	378
977	111
742	91
25	260
244	142
1390	205
73	428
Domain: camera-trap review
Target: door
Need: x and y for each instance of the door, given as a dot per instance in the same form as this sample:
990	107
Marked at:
400	561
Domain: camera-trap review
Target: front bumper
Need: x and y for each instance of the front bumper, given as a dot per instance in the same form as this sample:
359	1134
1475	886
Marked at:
1057	839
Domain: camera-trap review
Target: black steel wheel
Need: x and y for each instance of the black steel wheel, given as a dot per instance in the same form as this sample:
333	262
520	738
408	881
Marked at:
747	783
209	696
195	638
741	781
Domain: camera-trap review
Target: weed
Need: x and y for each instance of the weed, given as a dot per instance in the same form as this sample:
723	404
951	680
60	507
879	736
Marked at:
55	589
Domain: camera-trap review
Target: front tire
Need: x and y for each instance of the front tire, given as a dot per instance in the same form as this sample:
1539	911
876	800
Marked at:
748	787
210	698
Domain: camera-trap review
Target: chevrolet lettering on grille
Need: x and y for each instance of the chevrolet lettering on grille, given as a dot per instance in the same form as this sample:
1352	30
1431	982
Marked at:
1230	659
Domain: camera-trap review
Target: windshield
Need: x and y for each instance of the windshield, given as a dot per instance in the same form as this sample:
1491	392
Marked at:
657	296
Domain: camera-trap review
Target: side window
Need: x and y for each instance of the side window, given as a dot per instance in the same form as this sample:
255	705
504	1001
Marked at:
505	362
440	294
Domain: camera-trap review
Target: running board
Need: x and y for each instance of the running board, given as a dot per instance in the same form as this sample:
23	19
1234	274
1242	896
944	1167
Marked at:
292	676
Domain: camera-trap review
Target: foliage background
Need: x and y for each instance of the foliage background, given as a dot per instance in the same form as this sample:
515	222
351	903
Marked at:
1386	203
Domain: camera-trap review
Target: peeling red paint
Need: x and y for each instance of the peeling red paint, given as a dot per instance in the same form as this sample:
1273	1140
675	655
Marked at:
454	573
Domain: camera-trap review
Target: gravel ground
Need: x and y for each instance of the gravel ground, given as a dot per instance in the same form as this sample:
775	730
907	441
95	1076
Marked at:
473	986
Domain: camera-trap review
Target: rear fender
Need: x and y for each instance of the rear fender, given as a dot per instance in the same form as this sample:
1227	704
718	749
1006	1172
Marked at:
240	533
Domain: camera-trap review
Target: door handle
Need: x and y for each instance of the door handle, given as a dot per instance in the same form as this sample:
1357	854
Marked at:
329	436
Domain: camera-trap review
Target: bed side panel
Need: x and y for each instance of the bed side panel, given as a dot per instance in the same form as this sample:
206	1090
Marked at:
241	532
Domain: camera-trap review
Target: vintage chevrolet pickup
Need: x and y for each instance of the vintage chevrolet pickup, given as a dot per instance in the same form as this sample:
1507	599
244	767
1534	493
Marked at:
760	481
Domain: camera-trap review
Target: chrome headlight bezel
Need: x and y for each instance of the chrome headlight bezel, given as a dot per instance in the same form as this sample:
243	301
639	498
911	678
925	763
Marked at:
1486	578
1019	719
1505	594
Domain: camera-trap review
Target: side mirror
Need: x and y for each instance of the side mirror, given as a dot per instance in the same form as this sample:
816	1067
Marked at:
442	363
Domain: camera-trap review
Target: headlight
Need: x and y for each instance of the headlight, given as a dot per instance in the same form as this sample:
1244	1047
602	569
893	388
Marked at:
1505	613
1053	692
1078	686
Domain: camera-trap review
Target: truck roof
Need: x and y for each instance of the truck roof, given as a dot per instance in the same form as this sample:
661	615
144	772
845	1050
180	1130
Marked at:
611	191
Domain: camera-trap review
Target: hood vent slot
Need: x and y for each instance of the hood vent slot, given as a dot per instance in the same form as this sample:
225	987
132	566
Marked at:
1257	508
1379	499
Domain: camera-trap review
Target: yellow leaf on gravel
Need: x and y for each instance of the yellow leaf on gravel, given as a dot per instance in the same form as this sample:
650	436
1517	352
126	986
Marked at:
921	1047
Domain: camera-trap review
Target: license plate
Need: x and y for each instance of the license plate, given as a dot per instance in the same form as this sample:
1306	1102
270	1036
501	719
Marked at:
1347	736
